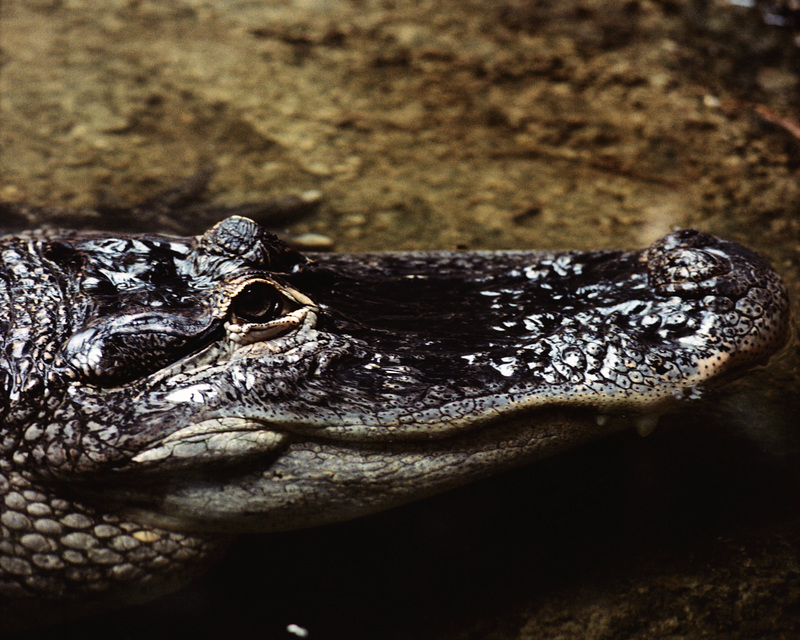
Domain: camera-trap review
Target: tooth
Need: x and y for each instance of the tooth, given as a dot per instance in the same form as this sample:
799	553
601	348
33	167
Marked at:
645	425
602	419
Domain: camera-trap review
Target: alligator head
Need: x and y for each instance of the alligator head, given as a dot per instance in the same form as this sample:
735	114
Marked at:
228	383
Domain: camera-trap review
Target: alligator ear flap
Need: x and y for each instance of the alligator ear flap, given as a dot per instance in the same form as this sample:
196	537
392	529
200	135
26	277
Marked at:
122	348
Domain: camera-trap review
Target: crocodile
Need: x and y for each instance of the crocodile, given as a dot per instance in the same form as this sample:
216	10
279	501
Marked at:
162	394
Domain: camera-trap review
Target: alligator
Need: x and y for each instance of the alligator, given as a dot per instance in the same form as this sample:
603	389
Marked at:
162	394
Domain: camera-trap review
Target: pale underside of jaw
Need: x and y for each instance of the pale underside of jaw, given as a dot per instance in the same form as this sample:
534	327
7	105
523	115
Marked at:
312	482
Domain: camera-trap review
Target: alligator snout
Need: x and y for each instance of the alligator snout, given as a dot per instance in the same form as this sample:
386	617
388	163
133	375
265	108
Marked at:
743	301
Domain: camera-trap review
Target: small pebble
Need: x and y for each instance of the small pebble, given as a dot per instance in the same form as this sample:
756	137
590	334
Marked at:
312	242
297	630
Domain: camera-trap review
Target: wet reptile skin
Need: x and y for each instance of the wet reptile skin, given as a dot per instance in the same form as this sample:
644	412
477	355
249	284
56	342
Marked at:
161	394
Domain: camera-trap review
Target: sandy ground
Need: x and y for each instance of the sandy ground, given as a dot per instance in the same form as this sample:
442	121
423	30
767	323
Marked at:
513	124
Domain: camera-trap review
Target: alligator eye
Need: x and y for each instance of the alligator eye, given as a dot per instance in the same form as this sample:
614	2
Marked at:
258	302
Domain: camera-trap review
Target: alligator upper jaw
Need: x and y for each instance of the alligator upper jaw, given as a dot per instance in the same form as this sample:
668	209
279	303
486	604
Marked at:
425	346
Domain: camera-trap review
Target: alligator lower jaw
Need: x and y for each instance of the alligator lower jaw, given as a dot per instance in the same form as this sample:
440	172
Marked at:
313	482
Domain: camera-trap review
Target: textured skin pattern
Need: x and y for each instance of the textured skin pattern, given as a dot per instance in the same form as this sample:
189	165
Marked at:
67	554
52	546
160	393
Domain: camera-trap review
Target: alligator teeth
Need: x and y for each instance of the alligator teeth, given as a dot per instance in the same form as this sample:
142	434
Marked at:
602	419
646	424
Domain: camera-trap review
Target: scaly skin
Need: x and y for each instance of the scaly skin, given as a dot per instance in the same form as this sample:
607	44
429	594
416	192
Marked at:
161	394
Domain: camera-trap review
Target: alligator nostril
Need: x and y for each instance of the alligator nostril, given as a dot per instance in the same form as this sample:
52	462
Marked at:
685	269
692	265
700	264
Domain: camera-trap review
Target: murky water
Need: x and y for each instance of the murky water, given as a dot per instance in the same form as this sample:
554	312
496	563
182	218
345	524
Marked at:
518	124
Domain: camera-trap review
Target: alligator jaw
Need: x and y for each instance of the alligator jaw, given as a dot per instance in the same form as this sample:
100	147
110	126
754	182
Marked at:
317	482
407	374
